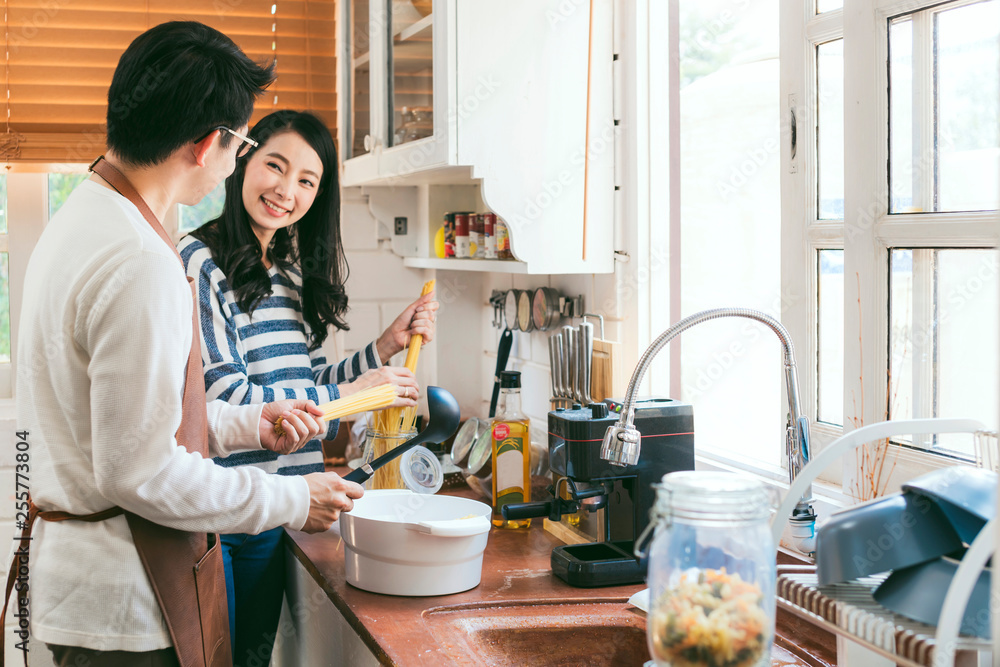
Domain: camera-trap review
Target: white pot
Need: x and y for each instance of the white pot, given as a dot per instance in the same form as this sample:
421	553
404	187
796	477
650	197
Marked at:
404	543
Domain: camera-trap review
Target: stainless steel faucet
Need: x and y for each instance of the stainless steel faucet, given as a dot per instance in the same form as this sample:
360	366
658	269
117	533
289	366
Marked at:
621	444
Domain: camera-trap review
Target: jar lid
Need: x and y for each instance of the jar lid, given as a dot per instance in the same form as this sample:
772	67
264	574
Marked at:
421	470
510	379
712	496
471	430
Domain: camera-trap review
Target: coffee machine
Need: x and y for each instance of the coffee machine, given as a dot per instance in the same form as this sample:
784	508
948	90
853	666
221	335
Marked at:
614	502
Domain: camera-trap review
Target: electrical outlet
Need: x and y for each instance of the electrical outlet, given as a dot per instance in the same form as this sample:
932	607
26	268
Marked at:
400	226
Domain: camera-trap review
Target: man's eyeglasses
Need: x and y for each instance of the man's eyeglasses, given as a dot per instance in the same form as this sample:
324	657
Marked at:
246	142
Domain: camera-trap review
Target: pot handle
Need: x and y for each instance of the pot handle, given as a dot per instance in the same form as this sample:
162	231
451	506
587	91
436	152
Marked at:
453	527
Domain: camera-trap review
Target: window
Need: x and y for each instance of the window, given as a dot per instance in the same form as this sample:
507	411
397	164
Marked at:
889	214
35	196
191	218
730	369
830	337
60	187
830	130
944	92
943	333
31	195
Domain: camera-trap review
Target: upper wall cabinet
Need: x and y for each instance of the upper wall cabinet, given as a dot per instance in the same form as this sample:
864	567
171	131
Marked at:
515	95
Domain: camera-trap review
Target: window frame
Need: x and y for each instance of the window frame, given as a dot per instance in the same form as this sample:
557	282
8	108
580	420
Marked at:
27	214
869	232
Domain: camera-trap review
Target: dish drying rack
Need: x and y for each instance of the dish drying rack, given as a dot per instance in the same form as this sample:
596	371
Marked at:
849	609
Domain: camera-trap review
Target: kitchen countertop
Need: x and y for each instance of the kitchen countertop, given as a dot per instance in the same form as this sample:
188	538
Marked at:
412	632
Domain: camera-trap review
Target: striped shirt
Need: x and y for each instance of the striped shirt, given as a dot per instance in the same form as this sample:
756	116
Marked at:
265	358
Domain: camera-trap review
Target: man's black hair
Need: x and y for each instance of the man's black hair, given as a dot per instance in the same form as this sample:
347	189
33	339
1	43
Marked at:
175	83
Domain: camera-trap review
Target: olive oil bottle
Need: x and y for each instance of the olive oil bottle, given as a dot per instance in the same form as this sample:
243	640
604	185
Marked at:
511	452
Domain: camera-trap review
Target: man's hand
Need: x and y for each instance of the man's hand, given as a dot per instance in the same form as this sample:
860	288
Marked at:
407	389
301	422
329	495
417	318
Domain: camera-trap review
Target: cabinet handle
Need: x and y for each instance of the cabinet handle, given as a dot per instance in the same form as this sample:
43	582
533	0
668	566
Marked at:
369	143
793	127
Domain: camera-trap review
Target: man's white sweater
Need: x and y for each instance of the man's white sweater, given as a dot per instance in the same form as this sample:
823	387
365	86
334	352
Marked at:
102	348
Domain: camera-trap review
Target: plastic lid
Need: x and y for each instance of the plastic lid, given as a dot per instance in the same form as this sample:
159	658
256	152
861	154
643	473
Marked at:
471	430
421	471
712	496
510	379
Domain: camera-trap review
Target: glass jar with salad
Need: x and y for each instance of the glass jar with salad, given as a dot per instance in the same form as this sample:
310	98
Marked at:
711	572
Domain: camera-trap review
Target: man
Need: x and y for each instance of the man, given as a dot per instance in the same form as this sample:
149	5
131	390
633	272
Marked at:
106	336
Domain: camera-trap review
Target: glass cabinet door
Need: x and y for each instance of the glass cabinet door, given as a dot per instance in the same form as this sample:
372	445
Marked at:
360	79
411	79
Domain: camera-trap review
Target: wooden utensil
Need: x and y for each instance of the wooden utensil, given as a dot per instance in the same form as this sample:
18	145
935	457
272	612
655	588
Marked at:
607	378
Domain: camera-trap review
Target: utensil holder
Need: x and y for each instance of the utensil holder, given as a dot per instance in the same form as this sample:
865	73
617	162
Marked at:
378	443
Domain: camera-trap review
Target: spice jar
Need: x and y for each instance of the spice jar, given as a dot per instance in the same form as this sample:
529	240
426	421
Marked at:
462	241
449	234
477	237
489	235
503	239
711	572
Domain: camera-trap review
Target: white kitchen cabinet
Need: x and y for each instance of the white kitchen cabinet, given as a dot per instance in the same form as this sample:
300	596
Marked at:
501	87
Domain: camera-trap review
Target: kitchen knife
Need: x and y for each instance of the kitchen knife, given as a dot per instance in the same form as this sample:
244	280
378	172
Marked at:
553	369
585	355
560	365
569	345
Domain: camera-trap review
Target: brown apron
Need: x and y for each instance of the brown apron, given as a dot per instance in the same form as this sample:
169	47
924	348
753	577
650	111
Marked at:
185	569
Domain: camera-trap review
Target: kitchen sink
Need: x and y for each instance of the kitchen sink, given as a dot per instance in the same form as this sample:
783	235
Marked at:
560	633
542	633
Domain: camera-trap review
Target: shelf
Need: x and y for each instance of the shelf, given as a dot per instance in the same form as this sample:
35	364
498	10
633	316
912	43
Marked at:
485	265
455	175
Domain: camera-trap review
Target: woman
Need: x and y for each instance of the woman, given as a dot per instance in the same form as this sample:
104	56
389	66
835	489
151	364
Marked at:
270	274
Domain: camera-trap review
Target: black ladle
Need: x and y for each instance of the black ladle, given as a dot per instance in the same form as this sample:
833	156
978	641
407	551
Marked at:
441	425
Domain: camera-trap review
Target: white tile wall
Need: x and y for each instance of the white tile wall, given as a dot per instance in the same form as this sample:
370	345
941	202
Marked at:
530	353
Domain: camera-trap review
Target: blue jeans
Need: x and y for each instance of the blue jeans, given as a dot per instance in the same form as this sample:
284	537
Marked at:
255	586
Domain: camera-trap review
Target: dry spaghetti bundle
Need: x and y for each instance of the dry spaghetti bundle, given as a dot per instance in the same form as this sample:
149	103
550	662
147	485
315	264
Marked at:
392	425
363	401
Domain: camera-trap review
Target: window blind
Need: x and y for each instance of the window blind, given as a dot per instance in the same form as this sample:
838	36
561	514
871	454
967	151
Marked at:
61	54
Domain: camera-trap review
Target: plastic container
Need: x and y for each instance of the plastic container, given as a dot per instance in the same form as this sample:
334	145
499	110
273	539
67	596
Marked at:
967	496
404	543
896	531
918	592
711	572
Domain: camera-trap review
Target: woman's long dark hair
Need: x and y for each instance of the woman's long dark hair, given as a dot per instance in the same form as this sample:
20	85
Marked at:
313	242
